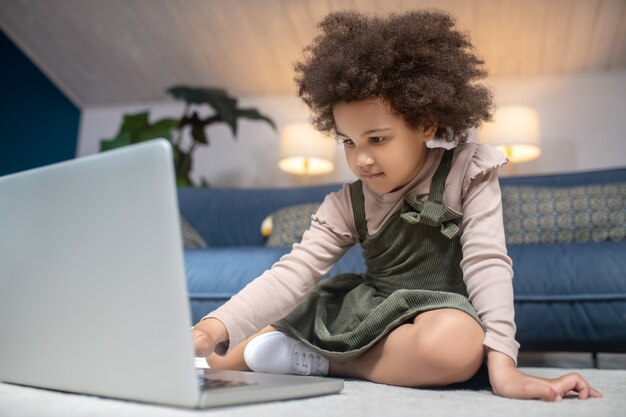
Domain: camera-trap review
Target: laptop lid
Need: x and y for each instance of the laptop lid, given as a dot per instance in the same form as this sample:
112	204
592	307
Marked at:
93	297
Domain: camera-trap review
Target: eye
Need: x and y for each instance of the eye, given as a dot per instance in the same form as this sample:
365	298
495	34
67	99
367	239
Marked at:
344	141
377	139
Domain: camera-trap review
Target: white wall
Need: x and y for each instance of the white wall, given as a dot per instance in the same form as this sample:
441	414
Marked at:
583	120
583	125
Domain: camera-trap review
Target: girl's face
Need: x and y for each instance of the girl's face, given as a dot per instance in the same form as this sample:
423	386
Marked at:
381	148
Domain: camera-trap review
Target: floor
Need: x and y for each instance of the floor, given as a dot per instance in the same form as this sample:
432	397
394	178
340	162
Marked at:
572	360
358	398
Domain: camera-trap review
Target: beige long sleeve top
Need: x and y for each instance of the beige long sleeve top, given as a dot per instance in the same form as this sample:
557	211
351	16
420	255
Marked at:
471	187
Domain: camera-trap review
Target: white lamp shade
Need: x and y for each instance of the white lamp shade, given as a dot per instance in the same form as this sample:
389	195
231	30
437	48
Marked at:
515	132
305	151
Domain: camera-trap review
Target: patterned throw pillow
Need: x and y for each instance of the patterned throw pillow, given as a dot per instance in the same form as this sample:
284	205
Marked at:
564	214
289	224
191	238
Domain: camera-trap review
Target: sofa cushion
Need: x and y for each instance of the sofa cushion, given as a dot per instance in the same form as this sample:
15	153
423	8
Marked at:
290	223
191	238
564	214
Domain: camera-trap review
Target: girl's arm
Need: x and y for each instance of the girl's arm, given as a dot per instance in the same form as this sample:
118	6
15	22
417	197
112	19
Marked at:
488	276
487	269
277	291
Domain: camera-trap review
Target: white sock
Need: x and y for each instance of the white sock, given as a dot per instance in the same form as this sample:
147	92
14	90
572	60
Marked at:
277	353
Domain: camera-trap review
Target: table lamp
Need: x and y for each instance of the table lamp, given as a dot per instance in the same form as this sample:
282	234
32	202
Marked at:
515	132
305	151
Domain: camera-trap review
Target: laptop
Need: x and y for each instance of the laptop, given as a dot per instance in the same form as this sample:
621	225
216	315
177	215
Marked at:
93	295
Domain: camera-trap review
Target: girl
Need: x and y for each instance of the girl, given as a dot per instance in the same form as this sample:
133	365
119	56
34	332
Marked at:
436	300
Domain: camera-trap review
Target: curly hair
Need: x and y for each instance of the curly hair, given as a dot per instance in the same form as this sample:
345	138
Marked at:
416	62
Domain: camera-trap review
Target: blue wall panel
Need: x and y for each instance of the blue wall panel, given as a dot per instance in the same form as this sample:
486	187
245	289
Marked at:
38	124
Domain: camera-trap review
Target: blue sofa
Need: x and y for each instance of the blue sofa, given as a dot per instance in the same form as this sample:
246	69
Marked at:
569	295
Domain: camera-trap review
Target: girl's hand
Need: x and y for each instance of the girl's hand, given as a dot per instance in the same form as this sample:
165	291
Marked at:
206	335
508	381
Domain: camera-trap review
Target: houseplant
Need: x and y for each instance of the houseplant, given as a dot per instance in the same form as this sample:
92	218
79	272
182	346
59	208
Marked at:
137	128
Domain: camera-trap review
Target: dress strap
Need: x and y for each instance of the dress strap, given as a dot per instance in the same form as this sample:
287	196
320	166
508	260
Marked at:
358	208
438	183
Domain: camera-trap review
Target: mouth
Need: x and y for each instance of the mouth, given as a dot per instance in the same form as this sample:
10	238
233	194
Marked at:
373	176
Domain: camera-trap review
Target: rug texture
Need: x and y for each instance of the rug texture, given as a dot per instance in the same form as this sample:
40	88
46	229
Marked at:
362	399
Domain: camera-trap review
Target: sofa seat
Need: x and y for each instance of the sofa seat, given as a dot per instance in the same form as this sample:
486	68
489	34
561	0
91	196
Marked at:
574	314
207	271
570	296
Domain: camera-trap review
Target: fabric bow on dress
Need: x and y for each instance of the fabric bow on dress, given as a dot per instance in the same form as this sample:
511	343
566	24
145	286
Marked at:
431	213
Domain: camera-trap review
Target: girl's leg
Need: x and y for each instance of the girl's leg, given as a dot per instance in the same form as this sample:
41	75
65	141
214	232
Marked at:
234	359
439	348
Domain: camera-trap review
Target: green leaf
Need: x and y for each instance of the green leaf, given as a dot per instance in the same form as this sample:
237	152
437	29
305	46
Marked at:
225	107
226	110
197	127
218	99
133	123
161	129
197	95
122	139
255	115
198	134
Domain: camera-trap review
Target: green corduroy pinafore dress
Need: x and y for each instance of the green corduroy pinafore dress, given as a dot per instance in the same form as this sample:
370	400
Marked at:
413	265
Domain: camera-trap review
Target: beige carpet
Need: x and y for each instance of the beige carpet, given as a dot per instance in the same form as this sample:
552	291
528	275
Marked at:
359	398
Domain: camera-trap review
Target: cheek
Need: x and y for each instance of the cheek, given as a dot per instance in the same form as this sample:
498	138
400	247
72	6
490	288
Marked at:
393	155
349	158
406	155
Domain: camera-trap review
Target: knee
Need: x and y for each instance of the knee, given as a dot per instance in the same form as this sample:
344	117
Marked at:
453	343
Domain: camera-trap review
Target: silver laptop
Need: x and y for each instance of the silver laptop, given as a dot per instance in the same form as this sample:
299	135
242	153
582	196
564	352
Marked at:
93	295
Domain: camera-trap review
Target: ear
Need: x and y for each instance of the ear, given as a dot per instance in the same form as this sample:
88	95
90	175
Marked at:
429	128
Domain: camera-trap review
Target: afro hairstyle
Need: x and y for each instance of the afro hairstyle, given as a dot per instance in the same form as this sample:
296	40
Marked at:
417	62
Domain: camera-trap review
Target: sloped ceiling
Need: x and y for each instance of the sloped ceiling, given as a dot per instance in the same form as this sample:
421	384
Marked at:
109	52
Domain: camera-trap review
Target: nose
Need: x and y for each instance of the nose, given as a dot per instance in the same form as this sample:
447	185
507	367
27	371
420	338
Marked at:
363	158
